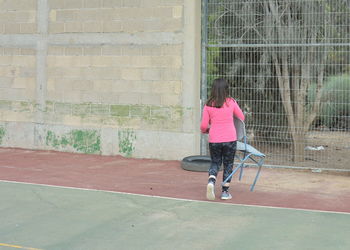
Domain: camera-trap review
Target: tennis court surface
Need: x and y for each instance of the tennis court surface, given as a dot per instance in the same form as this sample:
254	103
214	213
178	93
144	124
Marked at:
52	200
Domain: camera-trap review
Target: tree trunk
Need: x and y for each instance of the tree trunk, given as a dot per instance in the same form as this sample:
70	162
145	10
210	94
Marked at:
298	145
294	124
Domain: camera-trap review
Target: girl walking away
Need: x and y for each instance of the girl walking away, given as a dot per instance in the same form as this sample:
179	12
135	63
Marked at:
217	120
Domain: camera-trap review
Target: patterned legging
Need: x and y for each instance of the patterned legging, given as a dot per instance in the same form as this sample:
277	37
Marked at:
223	152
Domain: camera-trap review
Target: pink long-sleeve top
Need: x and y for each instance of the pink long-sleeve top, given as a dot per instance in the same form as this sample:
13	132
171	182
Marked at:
220	120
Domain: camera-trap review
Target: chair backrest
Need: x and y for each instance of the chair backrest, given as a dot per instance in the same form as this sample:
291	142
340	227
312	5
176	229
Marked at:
240	128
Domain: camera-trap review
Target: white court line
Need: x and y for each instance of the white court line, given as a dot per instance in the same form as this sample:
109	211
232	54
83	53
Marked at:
171	198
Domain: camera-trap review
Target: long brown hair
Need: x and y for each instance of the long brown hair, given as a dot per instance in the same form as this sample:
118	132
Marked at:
219	93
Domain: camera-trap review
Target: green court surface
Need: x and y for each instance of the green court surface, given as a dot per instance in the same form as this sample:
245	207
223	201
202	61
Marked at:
46	217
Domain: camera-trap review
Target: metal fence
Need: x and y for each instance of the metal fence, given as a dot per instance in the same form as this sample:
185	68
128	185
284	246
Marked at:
288	64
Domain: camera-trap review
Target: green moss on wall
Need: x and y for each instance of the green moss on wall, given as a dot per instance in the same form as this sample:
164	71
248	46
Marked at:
2	133
81	110
84	141
126	138
88	142
5	105
141	111
120	110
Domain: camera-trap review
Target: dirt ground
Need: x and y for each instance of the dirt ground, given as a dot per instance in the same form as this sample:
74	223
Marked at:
327	150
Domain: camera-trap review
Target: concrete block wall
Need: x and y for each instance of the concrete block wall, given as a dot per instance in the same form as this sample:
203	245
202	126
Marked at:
101	76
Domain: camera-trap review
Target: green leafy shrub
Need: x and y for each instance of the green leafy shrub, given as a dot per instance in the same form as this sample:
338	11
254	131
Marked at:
334	111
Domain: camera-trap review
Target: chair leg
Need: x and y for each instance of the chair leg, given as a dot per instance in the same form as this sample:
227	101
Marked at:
246	156
241	172
233	172
257	175
256	178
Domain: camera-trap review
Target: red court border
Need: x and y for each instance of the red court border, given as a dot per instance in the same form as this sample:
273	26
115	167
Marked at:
275	188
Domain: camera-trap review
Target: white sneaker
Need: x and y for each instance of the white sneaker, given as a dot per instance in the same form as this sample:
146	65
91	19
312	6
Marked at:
225	195
210	191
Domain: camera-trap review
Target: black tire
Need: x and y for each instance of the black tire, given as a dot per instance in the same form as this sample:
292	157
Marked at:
197	163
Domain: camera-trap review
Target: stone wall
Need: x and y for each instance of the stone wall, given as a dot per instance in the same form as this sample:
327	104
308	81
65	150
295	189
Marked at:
101	76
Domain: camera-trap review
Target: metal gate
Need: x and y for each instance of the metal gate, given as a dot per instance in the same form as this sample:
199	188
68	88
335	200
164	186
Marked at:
288	64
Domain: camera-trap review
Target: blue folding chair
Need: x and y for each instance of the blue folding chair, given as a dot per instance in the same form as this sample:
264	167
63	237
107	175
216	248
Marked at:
248	153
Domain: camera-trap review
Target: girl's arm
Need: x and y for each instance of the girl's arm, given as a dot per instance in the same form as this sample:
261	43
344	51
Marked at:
237	112
205	120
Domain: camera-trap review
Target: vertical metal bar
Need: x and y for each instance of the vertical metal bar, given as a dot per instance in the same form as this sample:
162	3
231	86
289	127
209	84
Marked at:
203	96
